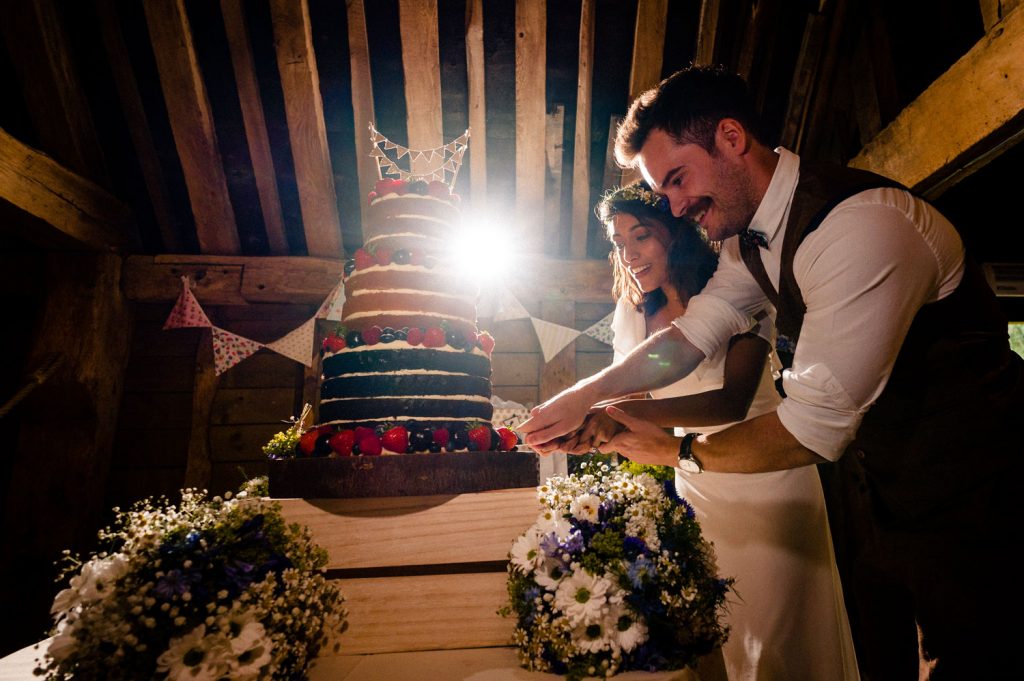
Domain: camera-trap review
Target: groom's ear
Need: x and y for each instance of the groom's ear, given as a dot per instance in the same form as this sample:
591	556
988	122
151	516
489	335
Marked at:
731	137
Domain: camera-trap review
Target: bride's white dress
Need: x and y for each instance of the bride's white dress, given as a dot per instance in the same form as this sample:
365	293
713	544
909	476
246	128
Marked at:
770	531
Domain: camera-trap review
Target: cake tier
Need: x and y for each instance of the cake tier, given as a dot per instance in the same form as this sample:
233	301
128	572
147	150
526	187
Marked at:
400	356
407	279
386	410
368	305
382	385
411	213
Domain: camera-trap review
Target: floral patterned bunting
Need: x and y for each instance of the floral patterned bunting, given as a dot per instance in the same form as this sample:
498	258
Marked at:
187	311
601	330
298	344
229	349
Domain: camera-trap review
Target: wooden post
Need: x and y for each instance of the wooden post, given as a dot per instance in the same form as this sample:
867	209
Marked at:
581	148
59	465
531	21
362	97
197	465
555	237
477	105
421	61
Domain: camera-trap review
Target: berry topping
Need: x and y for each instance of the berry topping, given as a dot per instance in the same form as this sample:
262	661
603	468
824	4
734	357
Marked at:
455	338
485	341
416	258
401	257
363	432
353	339
364	259
509	440
439	189
419	187
342	442
434	337
441	437
371	336
350	266
370	445
383	256
333	343
481	437
307	442
414	336
396	440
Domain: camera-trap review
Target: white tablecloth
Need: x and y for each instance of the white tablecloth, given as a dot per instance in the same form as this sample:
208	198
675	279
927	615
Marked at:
476	664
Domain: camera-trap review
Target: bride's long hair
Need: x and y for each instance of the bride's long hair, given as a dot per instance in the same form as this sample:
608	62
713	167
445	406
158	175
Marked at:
691	257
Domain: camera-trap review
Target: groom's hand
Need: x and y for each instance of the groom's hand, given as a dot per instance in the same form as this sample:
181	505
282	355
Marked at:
642	441
559	416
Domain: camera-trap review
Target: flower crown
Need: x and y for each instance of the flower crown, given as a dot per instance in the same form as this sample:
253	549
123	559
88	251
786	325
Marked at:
637	192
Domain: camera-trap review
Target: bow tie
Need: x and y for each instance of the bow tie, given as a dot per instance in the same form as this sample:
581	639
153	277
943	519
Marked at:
752	237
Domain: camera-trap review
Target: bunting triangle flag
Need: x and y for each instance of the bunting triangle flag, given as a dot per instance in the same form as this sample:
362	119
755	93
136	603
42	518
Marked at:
229	349
509	307
297	344
552	337
602	330
187	312
331	307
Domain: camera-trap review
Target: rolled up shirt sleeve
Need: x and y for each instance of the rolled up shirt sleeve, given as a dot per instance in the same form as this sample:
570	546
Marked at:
864	274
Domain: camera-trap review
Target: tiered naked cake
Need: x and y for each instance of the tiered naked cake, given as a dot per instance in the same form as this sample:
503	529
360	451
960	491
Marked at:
406	371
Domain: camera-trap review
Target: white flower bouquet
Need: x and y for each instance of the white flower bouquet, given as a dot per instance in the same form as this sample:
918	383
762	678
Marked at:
613	576
209	589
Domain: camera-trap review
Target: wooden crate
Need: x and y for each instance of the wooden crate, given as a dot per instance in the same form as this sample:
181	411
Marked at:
420	572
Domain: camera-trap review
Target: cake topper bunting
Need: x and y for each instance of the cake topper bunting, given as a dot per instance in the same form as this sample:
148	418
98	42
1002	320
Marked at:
440	163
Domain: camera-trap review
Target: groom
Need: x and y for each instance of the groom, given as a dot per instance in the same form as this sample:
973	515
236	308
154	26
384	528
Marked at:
898	367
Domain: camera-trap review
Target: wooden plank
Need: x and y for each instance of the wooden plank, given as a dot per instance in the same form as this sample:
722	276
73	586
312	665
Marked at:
421	62
145	448
560	372
252	405
581	146
143	375
416	530
951	129
648	51
865	94
515	368
612	175
514	335
804	76
818	99
42	57
436	612
555	236
241	443
475	69
255	124
362	96
704	54
307	131
531	64
159	411
197	462
151	341
138	124
262	370
589	363
219	279
71	205
401	476
188	108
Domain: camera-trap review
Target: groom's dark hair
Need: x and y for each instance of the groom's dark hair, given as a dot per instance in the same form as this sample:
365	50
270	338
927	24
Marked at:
688	106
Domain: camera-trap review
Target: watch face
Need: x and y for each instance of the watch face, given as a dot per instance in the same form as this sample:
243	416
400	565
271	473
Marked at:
689	466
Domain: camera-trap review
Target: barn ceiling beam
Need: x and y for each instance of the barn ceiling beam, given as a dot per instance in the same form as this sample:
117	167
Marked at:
72	205
188	107
962	119
240	280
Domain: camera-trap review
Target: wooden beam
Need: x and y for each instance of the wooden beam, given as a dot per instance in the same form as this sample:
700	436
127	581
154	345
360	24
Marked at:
475	68
307	131
72	205
804	76
949	131
421	62
362	97
531	23
255	124
240	280
704	54
555	236
138	124
648	48
54	95
188	108
581	145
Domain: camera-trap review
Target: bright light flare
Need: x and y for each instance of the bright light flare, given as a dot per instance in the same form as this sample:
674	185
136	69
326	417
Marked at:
484	250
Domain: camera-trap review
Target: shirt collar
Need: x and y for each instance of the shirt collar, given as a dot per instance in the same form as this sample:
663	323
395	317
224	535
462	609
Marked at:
771	213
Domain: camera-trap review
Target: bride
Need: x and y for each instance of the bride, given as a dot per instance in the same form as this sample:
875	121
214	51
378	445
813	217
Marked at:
770	530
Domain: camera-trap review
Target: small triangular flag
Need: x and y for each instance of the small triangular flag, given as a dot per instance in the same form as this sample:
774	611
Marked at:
552	337
187	312
331	307
229	349
602	330
297	344
509	307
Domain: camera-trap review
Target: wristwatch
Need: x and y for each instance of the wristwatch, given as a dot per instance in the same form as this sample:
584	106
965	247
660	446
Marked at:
689	463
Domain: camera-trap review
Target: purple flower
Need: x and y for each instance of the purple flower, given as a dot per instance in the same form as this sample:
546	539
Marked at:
175	583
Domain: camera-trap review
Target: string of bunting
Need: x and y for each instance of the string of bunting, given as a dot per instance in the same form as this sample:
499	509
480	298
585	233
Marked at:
229	348
440	163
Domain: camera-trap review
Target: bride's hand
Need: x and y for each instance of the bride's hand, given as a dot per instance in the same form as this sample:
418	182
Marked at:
641	441
598	429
